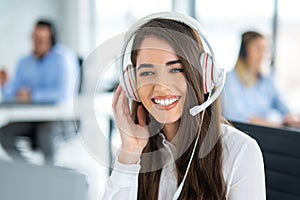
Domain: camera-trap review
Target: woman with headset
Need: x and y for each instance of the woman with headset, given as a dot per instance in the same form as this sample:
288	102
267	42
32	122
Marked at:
260	96
175	145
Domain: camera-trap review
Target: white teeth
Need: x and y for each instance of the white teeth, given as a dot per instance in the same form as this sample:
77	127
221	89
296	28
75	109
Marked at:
166	102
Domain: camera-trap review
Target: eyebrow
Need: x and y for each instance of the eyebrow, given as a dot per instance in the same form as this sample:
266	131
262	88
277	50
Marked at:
147	65
173	62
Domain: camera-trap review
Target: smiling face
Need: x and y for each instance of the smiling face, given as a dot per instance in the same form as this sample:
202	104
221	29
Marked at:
161	83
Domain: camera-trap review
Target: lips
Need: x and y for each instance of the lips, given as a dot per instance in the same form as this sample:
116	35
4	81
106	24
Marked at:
166	102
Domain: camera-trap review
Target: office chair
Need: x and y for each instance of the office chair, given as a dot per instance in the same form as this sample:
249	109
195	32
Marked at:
80	61
281	152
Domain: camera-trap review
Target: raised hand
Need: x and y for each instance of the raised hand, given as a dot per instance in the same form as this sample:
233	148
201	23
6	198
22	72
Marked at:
24	95
292	121
3	77
134	137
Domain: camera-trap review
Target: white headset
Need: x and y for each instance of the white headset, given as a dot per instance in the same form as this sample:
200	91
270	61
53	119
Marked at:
212	75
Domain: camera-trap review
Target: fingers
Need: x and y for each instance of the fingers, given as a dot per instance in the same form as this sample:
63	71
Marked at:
132	135
24	95
141	114
3	77
121	103
116	96
125	103
292	121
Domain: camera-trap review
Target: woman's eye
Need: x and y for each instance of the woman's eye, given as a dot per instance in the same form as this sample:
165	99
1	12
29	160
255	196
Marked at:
176	70
146	73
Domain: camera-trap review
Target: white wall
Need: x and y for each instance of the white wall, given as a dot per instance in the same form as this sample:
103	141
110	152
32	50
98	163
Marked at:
17	20
18	17
77	25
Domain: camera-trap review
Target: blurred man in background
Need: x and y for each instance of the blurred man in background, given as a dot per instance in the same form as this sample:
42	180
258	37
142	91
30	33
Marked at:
47	75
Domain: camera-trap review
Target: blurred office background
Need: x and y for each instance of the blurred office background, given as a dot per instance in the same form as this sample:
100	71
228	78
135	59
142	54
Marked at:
85	24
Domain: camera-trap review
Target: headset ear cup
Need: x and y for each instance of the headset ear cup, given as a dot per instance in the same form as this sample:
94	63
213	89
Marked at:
210	72
207	72
128	83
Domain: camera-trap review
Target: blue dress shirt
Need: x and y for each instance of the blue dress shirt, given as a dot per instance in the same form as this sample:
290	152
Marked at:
50	79
240	102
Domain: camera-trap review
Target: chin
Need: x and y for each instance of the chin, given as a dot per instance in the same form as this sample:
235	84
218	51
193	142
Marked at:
166	119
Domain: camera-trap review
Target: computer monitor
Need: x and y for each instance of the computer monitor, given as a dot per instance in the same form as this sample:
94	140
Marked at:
25	181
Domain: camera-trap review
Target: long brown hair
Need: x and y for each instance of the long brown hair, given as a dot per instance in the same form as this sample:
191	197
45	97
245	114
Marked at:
205	178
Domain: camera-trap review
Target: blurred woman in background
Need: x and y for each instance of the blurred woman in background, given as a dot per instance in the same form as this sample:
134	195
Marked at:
251	96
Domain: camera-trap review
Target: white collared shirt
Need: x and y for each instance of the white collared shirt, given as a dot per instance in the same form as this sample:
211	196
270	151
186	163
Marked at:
243	171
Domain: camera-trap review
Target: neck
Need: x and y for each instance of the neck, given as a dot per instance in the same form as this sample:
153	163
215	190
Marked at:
170	130
40	55
246	73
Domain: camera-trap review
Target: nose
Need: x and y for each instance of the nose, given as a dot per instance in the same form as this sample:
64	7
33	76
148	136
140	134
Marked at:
160	87
163	82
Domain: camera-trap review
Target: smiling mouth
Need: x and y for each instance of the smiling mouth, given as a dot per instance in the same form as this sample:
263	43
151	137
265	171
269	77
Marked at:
166	101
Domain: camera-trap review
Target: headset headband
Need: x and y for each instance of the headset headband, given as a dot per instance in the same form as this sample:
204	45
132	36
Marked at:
192	23
176	16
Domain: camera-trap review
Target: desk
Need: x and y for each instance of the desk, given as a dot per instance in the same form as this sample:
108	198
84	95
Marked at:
25	113
93	111
100	105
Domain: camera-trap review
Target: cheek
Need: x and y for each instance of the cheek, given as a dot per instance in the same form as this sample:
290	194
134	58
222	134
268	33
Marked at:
144	93
181	84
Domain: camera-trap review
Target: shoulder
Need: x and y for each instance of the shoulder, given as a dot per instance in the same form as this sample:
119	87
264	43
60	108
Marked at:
26	61
64	51
55	56
232	78
236	145
268	84
267	78
231	75
27	58
67	54
234	140
242	165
